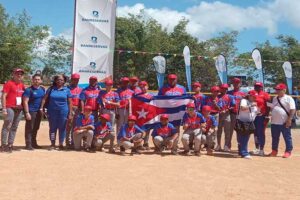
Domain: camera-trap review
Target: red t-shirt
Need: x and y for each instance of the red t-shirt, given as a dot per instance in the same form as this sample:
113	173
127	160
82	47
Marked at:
13	90
261	99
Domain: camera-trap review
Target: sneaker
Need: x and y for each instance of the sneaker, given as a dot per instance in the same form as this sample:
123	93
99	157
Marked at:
261	153
248	157
287	154
61	148
174	152
218	148
226	149
273	153
52	147
9	149
186	153
146	145
254	152
111	150
122	150
36	146
209	151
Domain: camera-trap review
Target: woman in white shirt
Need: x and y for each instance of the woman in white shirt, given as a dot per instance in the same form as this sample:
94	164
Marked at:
247	113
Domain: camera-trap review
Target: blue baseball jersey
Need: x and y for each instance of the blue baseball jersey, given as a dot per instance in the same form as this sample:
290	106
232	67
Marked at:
164	131
35	96
128	132
193	122
58	98
82	121
109	96
102	129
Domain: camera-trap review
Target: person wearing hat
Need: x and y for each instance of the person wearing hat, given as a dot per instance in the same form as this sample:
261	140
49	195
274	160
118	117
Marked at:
145	95
247	112
109	101
172	88
11	109
198	96
165	136
134	82
214	102
32	99
84	128
260	121
125	95
89	96
103	133
192	123
130	136
58	102
209	132
228	103
75	92
283	109
237	95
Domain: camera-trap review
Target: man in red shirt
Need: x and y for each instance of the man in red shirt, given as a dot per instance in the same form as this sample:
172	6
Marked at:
134	85
12	109
261	99
198	96
75	92
238	95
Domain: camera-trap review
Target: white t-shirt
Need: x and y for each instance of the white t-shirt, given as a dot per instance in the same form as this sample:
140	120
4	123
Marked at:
247	115
279	116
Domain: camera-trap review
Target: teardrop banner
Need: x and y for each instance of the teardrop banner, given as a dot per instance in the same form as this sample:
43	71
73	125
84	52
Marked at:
187	61
288	71
160	68
221	67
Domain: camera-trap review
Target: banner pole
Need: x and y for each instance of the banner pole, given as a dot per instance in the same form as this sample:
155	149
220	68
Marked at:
73	42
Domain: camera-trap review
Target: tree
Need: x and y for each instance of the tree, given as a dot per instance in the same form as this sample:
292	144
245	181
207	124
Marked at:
17	41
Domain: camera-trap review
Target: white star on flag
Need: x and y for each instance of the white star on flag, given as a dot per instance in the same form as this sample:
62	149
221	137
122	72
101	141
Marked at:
142	113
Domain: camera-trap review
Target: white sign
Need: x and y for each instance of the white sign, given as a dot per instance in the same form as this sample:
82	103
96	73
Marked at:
221	63
94	39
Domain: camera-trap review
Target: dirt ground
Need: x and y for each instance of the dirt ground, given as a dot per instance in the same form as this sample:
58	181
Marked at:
42	174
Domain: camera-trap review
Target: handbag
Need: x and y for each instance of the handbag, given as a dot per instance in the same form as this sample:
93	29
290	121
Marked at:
244	128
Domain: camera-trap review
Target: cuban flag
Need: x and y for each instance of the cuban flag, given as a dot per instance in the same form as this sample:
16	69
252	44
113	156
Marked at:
148	112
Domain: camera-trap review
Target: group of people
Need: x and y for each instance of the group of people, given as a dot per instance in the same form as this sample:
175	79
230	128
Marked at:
87	118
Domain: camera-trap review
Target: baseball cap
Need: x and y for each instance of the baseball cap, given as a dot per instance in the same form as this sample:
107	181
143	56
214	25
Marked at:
134	79
280	86
93	78
75	76
214	89
105	116
190	105
252	93
143	83
109	82
18	70
87	108
125	79
206	109
236	80
224	86
196	84
164	116
172	76
260	84
132	118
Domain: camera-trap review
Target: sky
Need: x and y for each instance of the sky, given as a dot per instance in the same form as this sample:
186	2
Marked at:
256	20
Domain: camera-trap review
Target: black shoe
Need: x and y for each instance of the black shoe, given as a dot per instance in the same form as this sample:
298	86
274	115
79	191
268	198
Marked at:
135	151
61	148
2	148
29	148
52	147
36	146
122	150
9	149
90	150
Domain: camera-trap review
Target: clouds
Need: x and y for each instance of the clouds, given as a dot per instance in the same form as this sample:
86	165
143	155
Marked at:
208	18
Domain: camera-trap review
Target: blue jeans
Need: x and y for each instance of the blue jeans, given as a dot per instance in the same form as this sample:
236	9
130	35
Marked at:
57	121
243	144
287	136
259	134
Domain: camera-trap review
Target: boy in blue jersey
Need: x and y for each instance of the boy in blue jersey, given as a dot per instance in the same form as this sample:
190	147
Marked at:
32	99
165	135
84	129
130	136
192	123
103	133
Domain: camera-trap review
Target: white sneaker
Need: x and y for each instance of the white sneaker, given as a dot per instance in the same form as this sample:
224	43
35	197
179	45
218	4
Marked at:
261	153
248	157
218	148
254	152
226	149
